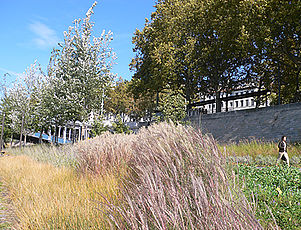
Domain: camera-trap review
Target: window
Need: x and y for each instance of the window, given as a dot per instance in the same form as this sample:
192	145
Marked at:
231	104
209	106
241	103
247	102
252	102
236	104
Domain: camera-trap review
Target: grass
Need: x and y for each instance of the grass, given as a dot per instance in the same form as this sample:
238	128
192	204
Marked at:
177	180
276	193
255	148
48	197
55	155
165	177
4	224
259	153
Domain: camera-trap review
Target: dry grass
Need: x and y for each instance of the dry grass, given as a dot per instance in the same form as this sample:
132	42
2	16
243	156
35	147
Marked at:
108	153
56	155
178	180
255	148
47	197
172	177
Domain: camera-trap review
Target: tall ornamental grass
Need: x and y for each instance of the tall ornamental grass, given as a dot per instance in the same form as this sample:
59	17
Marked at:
108	153
56	155
175	179
47	197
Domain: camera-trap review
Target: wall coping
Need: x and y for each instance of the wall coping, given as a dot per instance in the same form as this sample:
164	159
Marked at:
292	106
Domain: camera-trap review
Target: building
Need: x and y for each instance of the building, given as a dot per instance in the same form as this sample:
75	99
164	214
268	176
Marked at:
239	99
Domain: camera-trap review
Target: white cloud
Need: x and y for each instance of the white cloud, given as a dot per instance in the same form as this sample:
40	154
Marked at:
45	36
4	70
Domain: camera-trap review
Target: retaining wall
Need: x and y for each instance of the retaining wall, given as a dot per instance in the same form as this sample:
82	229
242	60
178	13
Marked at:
268	123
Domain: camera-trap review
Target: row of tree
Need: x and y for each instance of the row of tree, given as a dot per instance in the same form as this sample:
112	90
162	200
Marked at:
203	47
189	48
75	84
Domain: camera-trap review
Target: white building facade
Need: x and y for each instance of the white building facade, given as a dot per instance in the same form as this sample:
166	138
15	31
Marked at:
243	102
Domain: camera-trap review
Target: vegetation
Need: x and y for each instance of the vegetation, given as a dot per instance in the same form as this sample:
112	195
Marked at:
209	47
172	106
73	87
276	193
177	180
62	156
47	197
259	153
157	178
257	147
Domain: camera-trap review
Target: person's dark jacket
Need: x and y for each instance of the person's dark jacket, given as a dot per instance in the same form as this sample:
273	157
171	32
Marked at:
282	146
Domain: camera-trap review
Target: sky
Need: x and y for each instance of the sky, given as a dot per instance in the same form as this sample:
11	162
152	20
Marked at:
30	29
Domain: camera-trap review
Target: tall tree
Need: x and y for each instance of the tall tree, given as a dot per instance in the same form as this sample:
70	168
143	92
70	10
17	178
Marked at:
79	71
214	46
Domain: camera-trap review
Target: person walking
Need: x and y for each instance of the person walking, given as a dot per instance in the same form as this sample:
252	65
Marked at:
282	146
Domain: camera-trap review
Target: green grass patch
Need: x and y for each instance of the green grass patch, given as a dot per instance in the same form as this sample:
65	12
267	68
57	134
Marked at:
255	148
276	193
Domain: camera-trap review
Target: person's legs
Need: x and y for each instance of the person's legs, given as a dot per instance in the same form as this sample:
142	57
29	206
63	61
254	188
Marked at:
279	157
286	157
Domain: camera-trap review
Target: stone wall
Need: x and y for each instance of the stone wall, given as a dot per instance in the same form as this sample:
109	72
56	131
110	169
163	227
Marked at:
268	123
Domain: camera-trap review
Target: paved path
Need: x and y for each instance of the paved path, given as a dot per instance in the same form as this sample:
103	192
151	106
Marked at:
5	215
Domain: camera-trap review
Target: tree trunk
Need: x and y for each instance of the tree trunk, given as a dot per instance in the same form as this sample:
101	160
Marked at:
2	131
41	135
50	135
157	101
25	139
227	103
11	139
73	133
279	86
258	97
218	102
21	131
54	136
297	93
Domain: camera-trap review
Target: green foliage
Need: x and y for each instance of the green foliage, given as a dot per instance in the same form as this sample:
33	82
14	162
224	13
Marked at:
214	46
172	106
79	71
275	190
119	126
98	128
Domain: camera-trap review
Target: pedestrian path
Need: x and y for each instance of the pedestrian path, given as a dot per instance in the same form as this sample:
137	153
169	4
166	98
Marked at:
5	215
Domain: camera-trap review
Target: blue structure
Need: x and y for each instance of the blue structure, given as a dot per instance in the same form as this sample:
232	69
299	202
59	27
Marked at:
45	137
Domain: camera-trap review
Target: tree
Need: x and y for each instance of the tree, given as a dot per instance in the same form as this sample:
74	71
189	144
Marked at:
209	47
172	106
186	47
22	101
79	71
274	39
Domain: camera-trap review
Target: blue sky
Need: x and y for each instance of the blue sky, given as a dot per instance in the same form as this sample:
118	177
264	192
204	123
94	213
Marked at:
31	28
